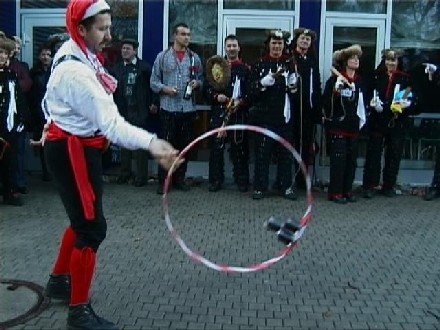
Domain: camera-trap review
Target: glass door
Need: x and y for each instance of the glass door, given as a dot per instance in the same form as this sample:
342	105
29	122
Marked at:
341	33
36	28
251	31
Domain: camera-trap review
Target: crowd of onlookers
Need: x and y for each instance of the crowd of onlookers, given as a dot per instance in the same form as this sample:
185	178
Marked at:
281	92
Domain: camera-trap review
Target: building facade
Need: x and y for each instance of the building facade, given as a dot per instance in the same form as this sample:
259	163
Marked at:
374	24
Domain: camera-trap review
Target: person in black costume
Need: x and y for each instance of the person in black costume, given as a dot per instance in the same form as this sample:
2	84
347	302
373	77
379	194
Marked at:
433	191
13	106
272	83
307	101
135	101
229	105
39	74
393	101
344	116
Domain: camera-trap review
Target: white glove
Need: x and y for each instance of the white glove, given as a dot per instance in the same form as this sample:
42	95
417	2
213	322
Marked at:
291	80
430	68
267	81
339	83
376	104
405	103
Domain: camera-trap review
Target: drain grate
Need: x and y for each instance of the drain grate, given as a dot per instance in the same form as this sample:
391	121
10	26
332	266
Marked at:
42	302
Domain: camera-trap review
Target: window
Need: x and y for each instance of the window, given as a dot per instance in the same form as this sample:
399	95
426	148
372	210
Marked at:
201	17
414	28
262	4
358	6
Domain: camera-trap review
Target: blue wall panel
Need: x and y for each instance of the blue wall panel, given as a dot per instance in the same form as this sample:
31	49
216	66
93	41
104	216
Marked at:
152	42
310	14
7	16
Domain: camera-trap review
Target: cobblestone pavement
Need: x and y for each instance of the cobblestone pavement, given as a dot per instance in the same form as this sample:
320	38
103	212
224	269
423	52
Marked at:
373	264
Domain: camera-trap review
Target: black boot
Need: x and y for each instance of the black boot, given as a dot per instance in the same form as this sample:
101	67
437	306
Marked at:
58	287
84	317
431	193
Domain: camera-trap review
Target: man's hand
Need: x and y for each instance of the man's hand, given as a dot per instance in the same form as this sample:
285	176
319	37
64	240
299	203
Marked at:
40	143
153	109
164	153
222	98
194	84
170	91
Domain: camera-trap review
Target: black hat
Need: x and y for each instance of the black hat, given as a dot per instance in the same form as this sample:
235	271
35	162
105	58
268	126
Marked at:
130	41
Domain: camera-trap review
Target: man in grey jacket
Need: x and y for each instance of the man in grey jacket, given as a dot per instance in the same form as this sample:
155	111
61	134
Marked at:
177	74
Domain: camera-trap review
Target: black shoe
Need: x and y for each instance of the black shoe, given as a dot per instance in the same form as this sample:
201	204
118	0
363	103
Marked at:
84	317
22	190
290	193
58	287
257	194
339	199
139	182
122	179
351	198
181	185
368	193
215	186
431	193
160	190
13	199
243	188
46	177
389	192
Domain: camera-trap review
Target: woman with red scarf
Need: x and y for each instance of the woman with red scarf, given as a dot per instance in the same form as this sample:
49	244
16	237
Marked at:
344	116
392	103
82	118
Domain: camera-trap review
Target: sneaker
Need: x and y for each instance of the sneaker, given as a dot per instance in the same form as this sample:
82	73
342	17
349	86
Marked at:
290	193
181	185
84	317
58	287
257	194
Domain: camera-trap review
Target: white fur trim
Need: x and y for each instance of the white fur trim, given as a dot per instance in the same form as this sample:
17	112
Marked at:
96	8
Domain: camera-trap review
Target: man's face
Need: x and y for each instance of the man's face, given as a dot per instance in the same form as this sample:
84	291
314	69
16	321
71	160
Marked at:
45	57
98	36
232	49
182	36
4	56
304	41
128	52
391	64
276	47
17	50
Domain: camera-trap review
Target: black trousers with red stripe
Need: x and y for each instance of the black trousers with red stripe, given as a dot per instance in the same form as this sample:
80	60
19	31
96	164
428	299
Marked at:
89	233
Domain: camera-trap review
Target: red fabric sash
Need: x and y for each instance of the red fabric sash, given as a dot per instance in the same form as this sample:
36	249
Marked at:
75	146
